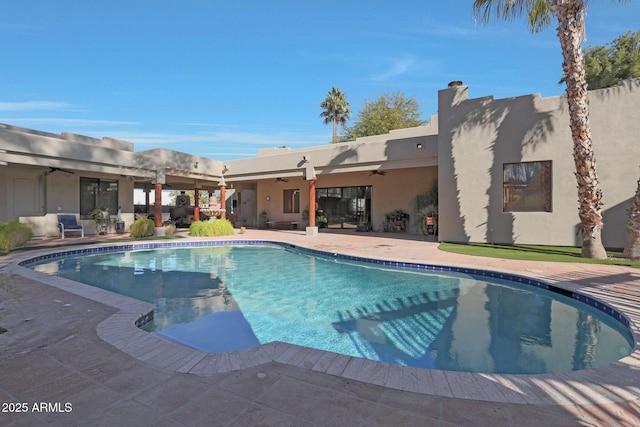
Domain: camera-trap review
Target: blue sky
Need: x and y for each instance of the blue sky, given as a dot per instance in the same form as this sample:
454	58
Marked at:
224	79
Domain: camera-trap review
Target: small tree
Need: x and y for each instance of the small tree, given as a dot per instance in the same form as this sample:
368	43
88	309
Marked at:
386	113
608	65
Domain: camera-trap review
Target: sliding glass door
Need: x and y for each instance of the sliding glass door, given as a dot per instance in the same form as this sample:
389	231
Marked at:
344	207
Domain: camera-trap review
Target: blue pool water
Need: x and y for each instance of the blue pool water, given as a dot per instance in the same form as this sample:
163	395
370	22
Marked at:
226	298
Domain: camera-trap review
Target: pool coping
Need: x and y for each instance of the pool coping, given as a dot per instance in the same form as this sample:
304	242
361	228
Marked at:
607	384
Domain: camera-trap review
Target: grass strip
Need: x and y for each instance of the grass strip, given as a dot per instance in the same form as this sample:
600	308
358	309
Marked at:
534	253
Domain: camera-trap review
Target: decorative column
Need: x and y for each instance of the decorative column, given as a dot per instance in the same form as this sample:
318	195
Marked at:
310	175
312	203
223	199
157	209
158	205
312	229
196	204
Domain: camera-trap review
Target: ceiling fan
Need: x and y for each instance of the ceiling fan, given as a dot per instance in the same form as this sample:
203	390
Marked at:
53	170
282	180
377	172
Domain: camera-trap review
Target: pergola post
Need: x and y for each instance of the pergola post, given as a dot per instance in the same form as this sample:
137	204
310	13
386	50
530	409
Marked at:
223	200
312	230
196	204
312	203
157	209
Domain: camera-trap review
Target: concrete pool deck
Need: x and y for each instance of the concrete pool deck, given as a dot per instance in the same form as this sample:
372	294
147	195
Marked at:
69	345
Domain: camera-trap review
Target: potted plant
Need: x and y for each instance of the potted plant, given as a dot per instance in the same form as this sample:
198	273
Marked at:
100	217
321	220
426	208
119	224
263	217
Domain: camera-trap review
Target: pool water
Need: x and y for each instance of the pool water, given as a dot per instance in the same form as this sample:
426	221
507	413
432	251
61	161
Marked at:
226	298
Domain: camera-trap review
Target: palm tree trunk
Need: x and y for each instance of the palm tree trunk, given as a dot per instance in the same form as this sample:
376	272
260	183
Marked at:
632	241
570	33
336	122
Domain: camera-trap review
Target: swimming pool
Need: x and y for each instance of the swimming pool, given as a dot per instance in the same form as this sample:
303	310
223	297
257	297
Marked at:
449	319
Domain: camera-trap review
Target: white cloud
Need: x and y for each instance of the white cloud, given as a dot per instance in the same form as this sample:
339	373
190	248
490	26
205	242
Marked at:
69	124
154	139
397	68
34	106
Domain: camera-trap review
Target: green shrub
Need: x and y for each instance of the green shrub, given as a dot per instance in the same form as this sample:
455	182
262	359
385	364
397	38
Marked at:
14	234
143	227
222	227
218	227
24	234
169	229
5	242
197	229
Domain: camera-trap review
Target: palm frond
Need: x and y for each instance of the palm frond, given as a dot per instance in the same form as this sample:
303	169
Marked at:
537	12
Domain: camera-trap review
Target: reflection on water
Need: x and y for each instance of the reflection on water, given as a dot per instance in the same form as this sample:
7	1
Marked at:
224	299
178	285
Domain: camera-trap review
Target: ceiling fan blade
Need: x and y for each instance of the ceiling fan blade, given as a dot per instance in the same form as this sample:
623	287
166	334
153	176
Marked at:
53	170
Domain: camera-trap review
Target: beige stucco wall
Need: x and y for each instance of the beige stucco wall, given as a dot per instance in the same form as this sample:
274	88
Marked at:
272	190
396	190
52	194
397	149
35	197
477	136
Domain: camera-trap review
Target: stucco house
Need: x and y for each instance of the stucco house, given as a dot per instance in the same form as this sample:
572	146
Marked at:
503	169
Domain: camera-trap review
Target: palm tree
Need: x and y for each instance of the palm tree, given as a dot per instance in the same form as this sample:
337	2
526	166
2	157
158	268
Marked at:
571	31
632	241
336	110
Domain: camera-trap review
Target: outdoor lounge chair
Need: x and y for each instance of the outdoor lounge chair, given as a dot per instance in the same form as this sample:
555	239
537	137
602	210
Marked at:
67	223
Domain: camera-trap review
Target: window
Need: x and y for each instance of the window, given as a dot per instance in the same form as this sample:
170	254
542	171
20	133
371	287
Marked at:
527	187
291	200
98	193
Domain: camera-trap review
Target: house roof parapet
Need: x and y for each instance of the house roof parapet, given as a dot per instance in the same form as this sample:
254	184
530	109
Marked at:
178	161
106	142
402	148
48	149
